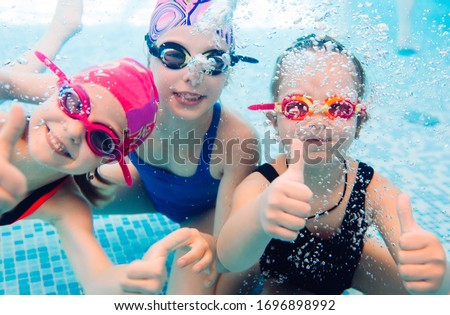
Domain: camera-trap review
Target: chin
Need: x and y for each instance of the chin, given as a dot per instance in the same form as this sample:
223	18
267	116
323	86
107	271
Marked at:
189	112
313	158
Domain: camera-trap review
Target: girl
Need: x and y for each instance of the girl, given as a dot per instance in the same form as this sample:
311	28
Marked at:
304	216
96	117
197	155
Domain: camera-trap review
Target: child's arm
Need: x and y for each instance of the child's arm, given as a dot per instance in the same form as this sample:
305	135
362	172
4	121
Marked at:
93	268
421	264
26	86
66	22
261	212
20	79
13	184
240	160
422	261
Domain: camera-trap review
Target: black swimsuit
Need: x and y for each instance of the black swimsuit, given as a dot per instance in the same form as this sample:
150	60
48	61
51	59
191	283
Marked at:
316	265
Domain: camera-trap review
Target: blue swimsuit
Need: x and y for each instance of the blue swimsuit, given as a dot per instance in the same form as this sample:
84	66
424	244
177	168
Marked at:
180	197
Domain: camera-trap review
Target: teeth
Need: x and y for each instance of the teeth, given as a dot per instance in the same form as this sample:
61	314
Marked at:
189	96
57	145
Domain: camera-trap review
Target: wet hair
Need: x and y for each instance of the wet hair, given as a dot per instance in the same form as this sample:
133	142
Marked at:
98	197
318	43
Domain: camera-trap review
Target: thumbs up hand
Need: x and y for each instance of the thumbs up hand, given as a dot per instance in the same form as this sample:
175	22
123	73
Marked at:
148	276
421	258
284	205
13	184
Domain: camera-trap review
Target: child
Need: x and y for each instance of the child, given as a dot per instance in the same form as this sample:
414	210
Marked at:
191	181
96	117
304	216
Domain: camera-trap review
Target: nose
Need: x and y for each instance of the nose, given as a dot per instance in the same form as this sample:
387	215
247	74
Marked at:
315	124
75	130
195	72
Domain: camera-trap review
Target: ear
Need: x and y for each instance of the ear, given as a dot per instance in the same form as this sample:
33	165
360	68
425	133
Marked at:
272	116
360	120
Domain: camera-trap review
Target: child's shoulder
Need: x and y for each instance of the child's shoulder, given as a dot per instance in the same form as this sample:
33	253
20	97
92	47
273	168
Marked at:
233	125
279	164
69	195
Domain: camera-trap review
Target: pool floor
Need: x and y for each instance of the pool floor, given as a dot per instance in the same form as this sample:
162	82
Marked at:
32	261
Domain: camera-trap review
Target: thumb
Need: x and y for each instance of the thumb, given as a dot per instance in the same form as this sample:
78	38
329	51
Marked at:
11	131
405	216
296	163
168	244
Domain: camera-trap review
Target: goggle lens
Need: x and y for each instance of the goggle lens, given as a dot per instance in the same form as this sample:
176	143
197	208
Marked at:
296	110
342	109
172	58
70	101
175	56
102	142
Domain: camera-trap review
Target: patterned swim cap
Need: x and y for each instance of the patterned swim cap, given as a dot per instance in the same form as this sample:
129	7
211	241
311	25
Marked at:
169	14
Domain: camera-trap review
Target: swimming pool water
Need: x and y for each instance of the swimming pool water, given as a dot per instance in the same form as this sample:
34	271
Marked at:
397	141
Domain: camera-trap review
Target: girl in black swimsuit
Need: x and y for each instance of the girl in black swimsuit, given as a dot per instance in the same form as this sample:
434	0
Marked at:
304	215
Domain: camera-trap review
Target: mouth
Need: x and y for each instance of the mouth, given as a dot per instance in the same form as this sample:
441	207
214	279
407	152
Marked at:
188	98
57	145
317	141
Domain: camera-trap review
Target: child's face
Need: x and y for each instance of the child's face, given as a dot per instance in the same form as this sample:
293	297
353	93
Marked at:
318	75
187	92
59	141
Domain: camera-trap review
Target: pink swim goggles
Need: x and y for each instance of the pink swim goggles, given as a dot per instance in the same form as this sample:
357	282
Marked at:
132	85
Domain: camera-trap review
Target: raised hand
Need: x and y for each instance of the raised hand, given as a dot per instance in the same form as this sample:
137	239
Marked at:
148	276
285	203
201	250
421	259
13	183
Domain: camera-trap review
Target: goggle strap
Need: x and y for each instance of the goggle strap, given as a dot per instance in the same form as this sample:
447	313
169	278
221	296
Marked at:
49	64
125	170
264	106
236	58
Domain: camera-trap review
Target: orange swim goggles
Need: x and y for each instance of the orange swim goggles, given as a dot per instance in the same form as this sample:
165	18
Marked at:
298	107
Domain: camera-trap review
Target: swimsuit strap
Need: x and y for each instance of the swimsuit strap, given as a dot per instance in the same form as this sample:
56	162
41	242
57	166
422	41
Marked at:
210	136
358	197
30	204
268	171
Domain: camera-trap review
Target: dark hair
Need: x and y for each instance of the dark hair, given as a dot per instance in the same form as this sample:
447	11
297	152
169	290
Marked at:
314	42
98	197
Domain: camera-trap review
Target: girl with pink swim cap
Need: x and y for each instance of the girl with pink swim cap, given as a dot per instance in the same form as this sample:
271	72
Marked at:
98	116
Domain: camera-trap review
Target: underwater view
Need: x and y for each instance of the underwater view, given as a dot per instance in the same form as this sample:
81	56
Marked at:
406	138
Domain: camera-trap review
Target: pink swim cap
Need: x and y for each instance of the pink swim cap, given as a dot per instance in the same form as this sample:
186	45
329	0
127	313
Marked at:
169	14
132	85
